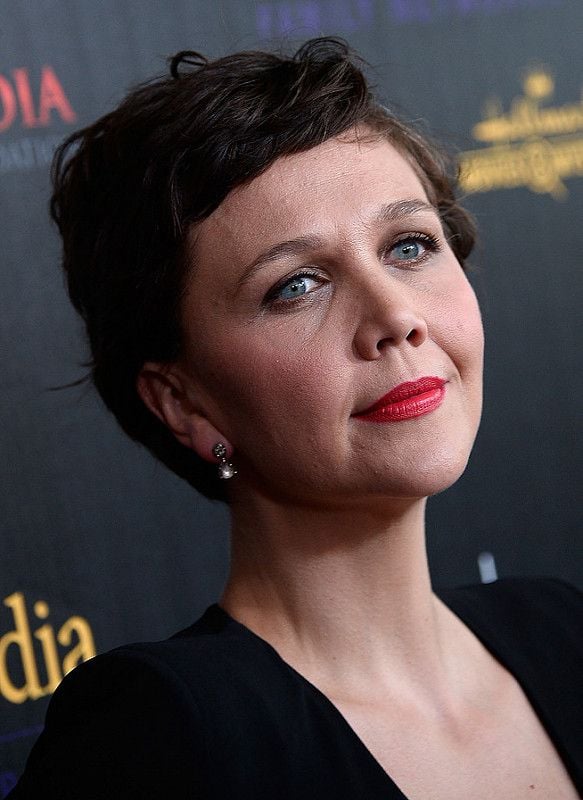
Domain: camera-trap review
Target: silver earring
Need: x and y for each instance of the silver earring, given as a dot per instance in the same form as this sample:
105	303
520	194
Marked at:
226	469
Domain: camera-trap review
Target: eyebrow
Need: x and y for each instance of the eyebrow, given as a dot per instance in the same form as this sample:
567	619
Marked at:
393	212
403	208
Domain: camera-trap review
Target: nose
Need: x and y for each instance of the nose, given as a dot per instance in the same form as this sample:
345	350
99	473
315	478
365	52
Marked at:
389	317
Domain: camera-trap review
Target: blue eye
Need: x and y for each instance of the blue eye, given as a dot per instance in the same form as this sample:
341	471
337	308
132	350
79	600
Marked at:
408	249
296	287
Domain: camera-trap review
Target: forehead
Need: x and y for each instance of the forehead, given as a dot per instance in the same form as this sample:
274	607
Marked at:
328	189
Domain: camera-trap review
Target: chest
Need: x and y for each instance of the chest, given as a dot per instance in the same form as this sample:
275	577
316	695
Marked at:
505	754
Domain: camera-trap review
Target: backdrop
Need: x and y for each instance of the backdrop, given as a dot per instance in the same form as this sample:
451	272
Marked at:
100	545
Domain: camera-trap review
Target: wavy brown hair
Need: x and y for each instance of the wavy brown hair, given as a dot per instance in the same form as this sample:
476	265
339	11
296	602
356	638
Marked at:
128	188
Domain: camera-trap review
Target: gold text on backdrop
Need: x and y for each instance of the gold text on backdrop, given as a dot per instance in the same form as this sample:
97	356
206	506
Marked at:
25	655
531	145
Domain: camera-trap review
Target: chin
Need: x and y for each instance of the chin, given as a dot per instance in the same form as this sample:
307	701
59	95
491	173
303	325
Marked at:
432	474
441	482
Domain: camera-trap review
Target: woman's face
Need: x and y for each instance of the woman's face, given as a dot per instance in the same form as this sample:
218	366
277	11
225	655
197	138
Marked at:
316	289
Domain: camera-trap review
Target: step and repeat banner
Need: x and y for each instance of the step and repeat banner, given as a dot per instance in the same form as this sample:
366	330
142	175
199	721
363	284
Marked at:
100	544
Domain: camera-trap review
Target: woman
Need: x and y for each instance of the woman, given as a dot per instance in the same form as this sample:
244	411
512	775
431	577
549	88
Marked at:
270	267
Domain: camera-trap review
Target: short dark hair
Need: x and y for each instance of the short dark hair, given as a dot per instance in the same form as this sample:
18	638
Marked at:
128	188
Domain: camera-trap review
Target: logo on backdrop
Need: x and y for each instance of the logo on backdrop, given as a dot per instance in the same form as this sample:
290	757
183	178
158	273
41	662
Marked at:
31	101
32	664
298	17
534	144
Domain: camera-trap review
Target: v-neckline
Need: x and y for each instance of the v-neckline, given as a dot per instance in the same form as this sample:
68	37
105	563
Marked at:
456	605
331	710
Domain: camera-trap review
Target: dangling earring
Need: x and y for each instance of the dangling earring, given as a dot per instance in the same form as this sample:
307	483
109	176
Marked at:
226	469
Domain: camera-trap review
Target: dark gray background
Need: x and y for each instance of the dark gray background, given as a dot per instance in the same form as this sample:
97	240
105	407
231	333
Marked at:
90	523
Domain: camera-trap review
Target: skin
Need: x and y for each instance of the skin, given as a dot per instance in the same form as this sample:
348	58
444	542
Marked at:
328	541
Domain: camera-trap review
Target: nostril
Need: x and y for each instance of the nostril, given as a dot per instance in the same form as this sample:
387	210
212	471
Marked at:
411	337
400	326
417	335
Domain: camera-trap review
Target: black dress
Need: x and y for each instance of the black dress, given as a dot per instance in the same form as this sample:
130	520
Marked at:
214	712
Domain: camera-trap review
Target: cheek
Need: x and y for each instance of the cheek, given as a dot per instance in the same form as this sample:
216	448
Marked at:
273	391
463	337
461	333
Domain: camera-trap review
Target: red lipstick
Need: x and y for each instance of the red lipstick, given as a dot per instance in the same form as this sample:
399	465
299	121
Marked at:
405	401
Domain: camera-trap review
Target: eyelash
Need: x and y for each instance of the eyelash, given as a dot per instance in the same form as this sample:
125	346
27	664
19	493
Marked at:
271	296
431	243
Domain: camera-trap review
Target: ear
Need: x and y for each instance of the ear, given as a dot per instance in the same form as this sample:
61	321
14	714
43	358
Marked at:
166	393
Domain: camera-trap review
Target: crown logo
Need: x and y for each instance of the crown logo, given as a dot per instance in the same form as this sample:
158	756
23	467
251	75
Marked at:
533	144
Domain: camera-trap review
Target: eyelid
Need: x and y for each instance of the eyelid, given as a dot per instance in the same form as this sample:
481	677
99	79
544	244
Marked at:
305	272
421	235
432	242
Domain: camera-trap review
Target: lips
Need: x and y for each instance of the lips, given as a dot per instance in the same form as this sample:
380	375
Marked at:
406	401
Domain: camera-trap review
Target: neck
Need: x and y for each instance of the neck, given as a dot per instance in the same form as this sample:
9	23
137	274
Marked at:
345	598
